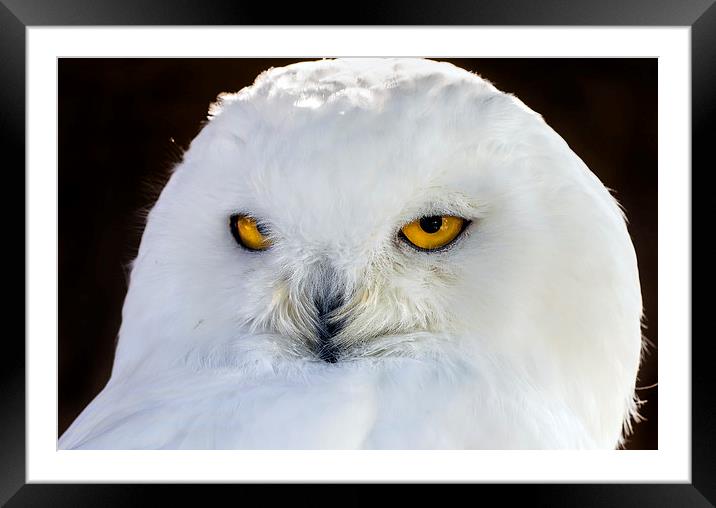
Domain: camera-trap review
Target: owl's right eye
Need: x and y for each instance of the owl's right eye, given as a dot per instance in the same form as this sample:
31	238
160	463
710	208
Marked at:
248	233
433	232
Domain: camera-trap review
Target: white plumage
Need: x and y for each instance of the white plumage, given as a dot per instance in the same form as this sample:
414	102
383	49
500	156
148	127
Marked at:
524	333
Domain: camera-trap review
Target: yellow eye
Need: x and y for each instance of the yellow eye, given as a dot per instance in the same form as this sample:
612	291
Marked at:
431	233
248	233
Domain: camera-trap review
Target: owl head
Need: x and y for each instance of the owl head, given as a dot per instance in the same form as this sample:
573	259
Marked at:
357	210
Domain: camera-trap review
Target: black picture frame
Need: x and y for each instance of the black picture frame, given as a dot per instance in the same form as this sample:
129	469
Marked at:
17	15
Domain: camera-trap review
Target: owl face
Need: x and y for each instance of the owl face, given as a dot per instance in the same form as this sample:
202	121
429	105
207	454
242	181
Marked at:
350	210
360	271
343	222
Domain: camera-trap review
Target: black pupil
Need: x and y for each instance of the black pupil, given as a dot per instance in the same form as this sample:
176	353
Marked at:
431	224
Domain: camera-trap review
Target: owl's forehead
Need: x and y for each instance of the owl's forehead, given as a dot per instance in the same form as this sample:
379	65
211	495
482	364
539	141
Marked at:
327	166
333	140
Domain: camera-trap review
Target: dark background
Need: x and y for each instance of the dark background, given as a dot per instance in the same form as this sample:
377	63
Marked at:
123	123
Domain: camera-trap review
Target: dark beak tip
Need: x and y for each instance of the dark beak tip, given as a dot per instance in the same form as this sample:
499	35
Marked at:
327	327
329	356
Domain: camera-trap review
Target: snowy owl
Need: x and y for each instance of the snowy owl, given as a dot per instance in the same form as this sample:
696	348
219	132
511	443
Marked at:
375	253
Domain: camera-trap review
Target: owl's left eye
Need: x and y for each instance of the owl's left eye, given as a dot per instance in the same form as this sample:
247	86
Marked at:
248	233
433	232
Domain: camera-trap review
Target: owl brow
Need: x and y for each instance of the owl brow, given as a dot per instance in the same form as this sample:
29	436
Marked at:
464	211
262	225
449	202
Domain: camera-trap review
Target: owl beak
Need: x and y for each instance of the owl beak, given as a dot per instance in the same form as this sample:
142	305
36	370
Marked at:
328	327
328	297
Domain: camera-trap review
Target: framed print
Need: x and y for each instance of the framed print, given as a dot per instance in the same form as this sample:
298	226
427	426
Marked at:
379	234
